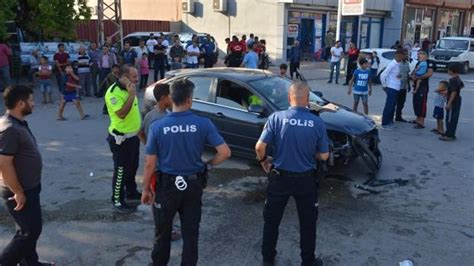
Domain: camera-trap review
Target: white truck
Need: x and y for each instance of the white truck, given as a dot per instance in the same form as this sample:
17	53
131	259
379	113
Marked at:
454	50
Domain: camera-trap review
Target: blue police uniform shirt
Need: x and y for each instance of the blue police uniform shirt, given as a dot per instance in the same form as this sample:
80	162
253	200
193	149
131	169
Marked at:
361	81
178	140
297	136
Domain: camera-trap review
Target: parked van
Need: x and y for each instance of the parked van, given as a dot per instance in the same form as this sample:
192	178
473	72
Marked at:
454	50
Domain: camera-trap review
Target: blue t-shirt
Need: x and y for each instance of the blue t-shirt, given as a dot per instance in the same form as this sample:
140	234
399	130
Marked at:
423	68
251	60
208	48
297	136
178	140
129	56
361	81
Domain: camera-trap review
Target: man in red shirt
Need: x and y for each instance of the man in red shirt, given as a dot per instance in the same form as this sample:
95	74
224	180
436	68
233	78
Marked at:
243	42
352	56
61	59
236	52
5	53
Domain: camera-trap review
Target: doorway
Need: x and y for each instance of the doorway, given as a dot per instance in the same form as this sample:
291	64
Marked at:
306	37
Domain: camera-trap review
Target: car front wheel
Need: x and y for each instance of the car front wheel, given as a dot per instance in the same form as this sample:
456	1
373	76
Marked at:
465	68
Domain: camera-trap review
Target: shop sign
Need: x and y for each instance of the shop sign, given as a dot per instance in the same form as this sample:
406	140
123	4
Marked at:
293	30
353	7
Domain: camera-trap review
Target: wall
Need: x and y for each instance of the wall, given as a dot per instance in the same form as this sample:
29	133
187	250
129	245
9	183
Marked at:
393	24
264	18
168	10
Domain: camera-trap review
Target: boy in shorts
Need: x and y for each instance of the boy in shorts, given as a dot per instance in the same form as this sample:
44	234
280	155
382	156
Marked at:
44	76
70	94
361	85
421	69
439	103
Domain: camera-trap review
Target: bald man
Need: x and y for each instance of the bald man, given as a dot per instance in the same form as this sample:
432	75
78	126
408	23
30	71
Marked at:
299	140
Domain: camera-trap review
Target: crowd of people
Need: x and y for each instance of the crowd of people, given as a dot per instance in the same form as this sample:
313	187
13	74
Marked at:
247	52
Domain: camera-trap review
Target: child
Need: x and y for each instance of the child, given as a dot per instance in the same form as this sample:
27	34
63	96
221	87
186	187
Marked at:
44	76
283	70
421	69
439	102
144	70
453	105
70	94
176	63
361	85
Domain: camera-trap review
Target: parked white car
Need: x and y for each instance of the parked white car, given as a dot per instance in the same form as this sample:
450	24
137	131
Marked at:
386	56
454	50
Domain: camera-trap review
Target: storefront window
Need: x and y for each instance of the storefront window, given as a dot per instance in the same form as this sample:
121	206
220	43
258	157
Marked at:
448	23
418	24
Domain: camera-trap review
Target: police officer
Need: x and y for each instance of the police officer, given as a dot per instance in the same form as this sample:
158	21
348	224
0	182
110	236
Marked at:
299	139
177	142
125	122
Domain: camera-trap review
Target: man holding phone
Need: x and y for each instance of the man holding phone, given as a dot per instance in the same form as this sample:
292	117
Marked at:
125	123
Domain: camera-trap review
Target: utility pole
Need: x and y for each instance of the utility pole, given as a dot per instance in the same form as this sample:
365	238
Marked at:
339	20
110	10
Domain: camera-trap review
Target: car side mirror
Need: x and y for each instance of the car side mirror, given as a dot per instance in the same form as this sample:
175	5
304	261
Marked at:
257	109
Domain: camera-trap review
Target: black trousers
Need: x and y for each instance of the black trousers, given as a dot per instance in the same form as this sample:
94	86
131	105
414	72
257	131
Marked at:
126	159
169	201
305	192
208	61
28	223
159	68
294	69
402	97
327	53
143	81
351	67
452	118
419	101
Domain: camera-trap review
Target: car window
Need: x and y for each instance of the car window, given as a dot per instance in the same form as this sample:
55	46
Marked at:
472	46
202	86
275	90
233	95
389	55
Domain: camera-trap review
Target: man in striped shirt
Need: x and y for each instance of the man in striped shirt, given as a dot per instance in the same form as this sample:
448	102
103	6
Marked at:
404	87
84	72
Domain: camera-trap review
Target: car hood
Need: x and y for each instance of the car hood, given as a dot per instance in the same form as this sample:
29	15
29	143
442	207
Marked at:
343	119
451	53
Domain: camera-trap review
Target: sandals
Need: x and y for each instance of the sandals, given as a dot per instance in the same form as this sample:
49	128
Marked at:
85	116
418	126
436	131
413	122
61	119
446	138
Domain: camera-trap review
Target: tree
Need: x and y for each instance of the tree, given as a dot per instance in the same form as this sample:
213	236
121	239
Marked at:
7	13
48	19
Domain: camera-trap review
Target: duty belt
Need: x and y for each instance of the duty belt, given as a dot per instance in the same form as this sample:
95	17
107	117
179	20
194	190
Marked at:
179	181
281	172
121	137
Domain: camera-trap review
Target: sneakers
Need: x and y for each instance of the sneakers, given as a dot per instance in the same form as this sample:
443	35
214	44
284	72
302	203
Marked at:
387	127
122	208
399	119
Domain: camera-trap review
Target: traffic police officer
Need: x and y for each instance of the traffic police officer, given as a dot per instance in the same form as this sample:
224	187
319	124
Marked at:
299	139
177	141
125	122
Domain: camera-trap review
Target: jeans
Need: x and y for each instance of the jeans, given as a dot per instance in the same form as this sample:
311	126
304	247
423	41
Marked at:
28	222
402	96
389	109
85	81
45	86
305	192
5	79
103	73
168	202
158	68
208	61
351	67
336	65
94	76
61	79
143	81
452	118
126	159
374	76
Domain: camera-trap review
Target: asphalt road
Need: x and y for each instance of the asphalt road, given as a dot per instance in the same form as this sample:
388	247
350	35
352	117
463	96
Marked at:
429	221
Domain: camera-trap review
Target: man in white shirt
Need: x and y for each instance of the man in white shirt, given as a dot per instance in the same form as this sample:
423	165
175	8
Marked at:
193	53
150	43
336	54
390	79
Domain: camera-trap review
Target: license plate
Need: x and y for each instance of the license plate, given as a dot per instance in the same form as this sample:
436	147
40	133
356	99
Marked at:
438	65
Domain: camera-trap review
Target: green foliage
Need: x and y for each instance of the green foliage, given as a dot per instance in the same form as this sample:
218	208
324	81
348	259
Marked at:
50	19
7	13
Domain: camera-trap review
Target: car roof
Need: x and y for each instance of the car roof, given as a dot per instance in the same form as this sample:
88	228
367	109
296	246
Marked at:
458	38
147	33
378	50
241	74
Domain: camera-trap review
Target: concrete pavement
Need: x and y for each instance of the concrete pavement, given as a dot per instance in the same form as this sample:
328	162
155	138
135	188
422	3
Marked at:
429	221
